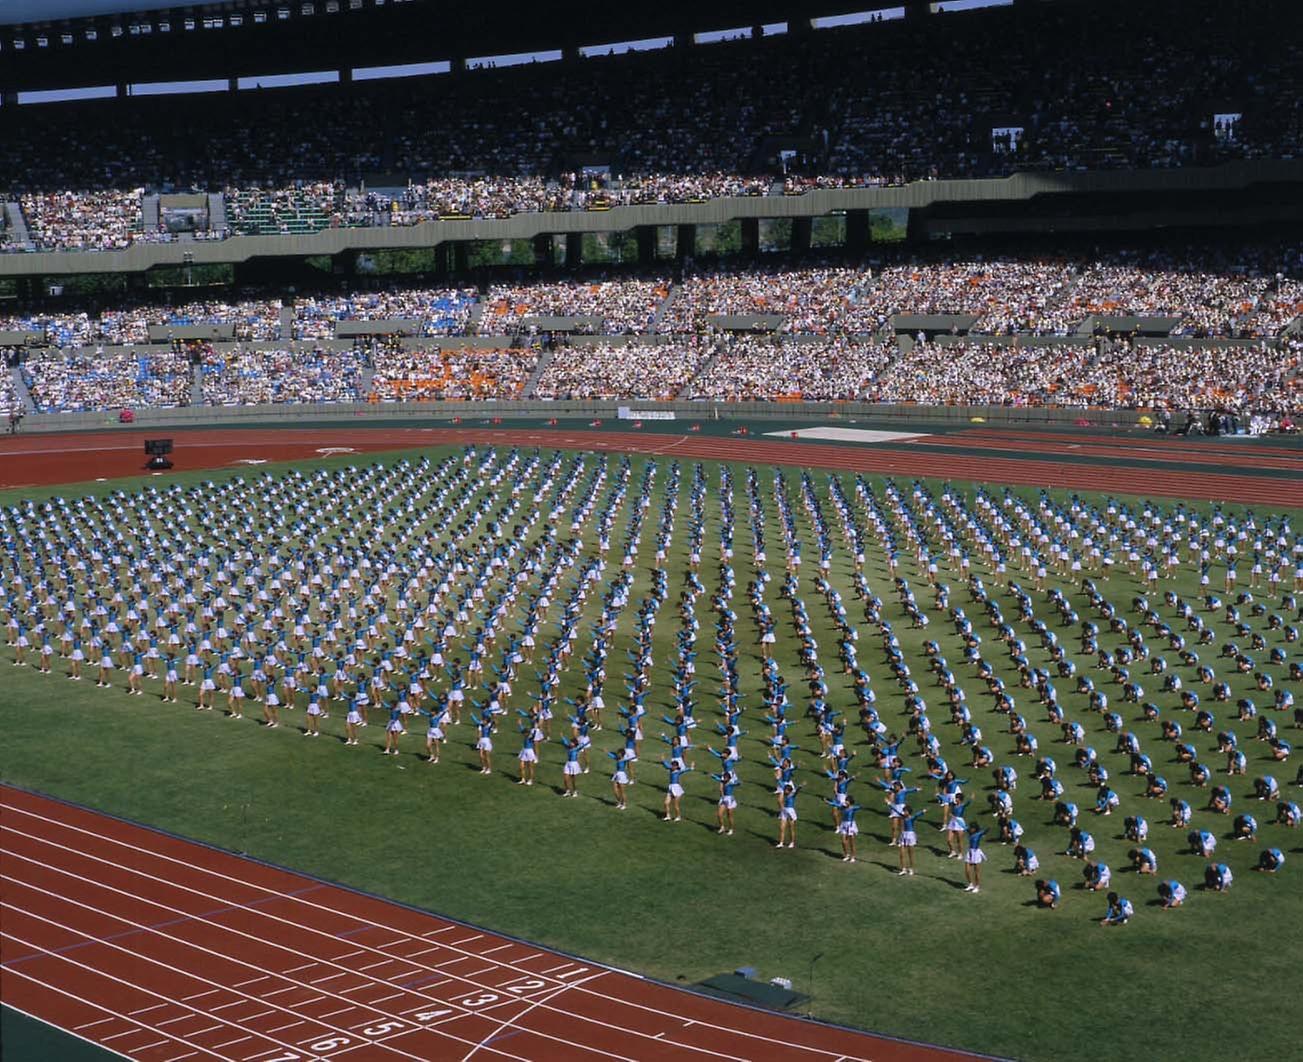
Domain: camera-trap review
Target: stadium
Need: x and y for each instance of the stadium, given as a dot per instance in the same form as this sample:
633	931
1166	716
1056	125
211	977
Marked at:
803	490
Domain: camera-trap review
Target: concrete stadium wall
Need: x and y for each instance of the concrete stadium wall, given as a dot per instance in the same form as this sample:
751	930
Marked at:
359	414
1235	176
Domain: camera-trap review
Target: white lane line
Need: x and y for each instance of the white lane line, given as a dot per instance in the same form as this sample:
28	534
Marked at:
328	977
119	1036
303	902
12	972
141	957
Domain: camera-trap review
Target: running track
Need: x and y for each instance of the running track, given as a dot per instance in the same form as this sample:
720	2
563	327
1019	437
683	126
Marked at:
160	949
50	459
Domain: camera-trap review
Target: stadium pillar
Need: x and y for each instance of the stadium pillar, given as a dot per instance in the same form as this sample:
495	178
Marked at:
543	249
801	229
646	237
459	257
751	236
857	230
345	264
574	250
918	9
687	242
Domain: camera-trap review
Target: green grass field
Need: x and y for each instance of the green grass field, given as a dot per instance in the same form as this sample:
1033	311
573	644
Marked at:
916	958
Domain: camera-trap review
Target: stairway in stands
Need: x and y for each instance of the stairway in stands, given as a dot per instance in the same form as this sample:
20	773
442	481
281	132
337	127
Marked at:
664	307
20	389
686	391
544	360
17	225
196	384
216	212
149	214
365	381
287	323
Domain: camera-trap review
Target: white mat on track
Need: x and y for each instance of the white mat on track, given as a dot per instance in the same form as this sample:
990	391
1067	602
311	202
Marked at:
858	435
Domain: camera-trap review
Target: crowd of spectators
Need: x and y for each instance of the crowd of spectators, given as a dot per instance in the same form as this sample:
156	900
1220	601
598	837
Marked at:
1245	291
634	371
662	188
103	220
93	380
466	197
1248	378
815	299
992	373
971	95
1240	379
1006	294
9	399
618	305
242	376
255	319
1111	374
1211	292
832	368
438	311
450	373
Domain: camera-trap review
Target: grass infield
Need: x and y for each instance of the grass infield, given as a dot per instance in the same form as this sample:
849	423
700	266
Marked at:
917	958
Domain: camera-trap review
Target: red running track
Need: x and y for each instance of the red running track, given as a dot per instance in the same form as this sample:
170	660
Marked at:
1286	460
161	949
1243	455
1193	444
51	459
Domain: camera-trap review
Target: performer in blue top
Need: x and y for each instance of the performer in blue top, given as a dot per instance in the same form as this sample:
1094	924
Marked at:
787	815
620	778
1171	894
393	730
484	743
435	731
674	794
570	772
351	722
1217	877
1119	911
531	735
1048	893
908	840
728	783
974	857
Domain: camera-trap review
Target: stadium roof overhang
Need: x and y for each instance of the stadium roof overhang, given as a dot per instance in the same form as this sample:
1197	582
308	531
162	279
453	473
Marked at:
83	42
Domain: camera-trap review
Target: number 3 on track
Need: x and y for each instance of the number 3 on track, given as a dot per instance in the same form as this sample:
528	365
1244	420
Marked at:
483	999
